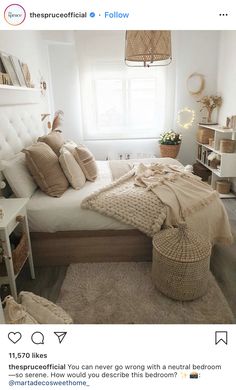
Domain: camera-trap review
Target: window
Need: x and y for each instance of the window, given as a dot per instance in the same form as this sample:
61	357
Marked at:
122	103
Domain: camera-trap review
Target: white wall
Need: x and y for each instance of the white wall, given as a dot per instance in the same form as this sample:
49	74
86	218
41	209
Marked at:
29	47
227	76
193	51
65	87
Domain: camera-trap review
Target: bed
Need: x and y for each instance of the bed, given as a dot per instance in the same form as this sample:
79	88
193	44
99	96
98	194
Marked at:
61	231
67	233
56	241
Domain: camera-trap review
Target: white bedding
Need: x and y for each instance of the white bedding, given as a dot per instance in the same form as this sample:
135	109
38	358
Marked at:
48	214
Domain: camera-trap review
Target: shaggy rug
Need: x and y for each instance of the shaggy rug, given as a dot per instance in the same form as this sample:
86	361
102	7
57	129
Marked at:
123	293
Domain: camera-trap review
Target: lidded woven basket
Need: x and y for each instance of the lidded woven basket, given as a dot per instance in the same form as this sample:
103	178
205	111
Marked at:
181	262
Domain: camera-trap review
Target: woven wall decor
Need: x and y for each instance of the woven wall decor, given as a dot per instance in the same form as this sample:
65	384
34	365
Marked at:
195	83
181	262
148	48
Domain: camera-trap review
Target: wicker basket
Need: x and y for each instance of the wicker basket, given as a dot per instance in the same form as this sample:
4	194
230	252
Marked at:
19	256
227	145
203	135
169	150
181	261
223	186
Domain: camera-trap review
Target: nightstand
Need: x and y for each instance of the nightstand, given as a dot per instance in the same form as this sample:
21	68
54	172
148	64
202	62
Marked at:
14	214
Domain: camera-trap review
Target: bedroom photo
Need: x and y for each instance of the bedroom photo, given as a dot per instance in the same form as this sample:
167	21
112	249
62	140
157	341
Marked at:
117	177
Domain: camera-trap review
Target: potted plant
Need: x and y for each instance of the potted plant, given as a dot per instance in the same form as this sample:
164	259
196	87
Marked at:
210	103
170	144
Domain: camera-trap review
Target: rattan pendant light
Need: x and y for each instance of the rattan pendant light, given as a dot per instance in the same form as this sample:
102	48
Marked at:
148	48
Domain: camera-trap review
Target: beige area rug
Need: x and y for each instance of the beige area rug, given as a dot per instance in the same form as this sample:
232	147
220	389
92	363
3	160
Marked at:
123	293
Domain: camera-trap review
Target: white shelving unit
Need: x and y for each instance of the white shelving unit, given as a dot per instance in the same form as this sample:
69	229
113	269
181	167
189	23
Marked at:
227	166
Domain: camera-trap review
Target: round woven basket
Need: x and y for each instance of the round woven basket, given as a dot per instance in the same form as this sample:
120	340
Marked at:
181	262
227	145
223	186
169	150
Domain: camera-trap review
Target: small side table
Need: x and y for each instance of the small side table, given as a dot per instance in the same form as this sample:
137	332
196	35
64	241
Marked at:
14	213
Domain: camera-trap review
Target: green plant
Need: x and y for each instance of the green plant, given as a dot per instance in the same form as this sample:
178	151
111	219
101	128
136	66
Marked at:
170	138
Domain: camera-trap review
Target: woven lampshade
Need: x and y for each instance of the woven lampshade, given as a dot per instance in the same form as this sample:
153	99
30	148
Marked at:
148	48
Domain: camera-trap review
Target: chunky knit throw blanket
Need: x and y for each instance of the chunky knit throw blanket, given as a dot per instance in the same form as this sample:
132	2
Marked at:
149	197
128	203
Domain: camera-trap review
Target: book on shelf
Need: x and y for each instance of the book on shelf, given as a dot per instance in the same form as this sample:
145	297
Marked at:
199	152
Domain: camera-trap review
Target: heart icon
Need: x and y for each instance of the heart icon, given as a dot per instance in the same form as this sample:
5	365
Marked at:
14	337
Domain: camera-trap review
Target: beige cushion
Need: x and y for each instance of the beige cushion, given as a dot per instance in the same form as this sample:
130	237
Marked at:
71	169
44	166
15	313
54	139
84	158
42	310
18	176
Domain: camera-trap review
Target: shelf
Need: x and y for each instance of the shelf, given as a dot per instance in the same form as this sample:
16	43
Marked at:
218	128
213	170
226	167
214	150
224	196
15	95
18	88
227	196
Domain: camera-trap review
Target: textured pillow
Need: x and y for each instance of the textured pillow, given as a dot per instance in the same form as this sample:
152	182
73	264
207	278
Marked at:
54	139
84	158
14	313
18	176
44	166
71	169
42	310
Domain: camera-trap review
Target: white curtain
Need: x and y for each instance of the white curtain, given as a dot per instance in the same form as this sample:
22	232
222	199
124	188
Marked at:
119	102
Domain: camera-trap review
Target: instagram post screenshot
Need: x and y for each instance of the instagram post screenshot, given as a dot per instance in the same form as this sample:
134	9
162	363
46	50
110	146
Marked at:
117	195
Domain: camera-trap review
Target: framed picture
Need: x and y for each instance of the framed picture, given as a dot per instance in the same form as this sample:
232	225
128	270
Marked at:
7	63
18	70
26	74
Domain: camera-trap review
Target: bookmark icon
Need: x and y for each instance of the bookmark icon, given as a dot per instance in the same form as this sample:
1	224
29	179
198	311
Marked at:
60	336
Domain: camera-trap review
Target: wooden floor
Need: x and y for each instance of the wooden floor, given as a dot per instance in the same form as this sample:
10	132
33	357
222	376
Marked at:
47	283
223	265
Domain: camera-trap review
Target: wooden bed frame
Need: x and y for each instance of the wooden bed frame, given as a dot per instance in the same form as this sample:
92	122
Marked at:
64	248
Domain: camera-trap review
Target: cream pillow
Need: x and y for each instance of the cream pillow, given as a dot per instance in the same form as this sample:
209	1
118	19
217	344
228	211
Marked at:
44	166
18	176
71	169
14	313
54	139
84	158
42	310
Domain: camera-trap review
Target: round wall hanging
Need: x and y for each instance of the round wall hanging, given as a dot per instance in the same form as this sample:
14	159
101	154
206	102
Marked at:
195	83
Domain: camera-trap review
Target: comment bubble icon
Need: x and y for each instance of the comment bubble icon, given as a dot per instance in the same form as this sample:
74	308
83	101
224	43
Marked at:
37	338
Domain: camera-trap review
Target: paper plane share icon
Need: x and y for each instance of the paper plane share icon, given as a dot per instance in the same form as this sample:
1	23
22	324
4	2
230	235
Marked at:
60	336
